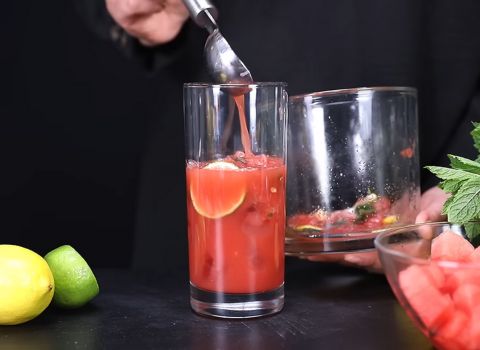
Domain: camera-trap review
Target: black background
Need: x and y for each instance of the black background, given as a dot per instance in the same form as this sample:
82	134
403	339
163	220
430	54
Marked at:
82	124
73	112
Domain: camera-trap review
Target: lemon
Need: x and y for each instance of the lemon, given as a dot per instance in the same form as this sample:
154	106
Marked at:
389	220
75	283
26	284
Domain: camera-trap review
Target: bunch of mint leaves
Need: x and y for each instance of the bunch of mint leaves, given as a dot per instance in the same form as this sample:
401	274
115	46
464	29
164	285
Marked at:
462	180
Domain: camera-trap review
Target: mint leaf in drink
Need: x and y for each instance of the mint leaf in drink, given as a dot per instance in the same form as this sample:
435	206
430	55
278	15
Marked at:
464	164
462	180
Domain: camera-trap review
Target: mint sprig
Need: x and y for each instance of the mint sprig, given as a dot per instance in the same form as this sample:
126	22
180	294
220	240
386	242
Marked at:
462	180
476	138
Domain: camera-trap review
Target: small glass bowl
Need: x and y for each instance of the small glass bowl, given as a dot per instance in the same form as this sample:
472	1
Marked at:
441	296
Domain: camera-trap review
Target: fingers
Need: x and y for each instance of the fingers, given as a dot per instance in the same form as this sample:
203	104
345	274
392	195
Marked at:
155	29
433	212
431	204
329	258
125	10
153	22
365	260
423	216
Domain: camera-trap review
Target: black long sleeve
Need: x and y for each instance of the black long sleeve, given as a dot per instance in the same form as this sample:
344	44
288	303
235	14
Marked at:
96	17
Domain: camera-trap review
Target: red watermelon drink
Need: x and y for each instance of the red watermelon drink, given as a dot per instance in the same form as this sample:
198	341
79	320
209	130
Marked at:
236	224
235	188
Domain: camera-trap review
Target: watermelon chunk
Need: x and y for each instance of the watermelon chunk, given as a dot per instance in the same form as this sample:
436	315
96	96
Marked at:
451	246
431	306
475	328
446	297
436	275
455	278
475	257
455	333
467	297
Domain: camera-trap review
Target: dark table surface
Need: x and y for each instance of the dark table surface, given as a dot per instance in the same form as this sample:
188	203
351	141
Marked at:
327	307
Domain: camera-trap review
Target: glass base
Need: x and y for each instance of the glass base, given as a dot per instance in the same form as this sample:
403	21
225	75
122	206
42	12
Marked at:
226	305
319	244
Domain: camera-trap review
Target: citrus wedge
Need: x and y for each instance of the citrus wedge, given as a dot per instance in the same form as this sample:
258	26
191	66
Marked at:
221	166
307	228
218	189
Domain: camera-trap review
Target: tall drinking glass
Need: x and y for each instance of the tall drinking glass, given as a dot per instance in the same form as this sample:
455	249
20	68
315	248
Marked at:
235	166
353	168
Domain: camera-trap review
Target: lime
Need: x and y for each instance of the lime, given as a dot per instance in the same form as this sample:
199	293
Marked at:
218	189
220	165
75	283
26	284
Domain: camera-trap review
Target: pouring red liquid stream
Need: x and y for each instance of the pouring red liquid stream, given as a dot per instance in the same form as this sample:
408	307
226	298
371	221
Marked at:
245	135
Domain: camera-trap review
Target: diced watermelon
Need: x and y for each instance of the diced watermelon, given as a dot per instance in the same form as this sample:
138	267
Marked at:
475	328
454	334
432	307
442	343
466	297
475	257
455	278
446	297
451	246
436	275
